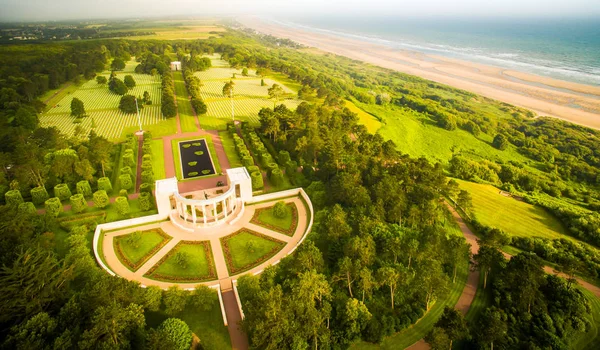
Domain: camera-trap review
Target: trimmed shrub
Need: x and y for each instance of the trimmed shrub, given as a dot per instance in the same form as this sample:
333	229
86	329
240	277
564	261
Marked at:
13	198
276	177
270	167
27	208
101	199
147	157
291	168
147	177
125	181
244	153
177	333
284	157
78	203
147	166
257	180
252	169
84	188
247	161
126	170
122	205
145	200
53	206
62	191
280	210
146	187
128	159
266	158
123	193
39	195
105	185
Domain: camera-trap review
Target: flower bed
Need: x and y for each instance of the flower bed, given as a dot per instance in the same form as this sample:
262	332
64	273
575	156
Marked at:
212	273
135	266
289	231
229	259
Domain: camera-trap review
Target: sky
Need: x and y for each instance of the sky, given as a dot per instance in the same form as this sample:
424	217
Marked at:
42	10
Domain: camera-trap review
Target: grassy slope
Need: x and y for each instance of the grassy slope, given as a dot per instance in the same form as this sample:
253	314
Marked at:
158	159
229	146
177	158
186	113
148	240
515	217
419	330
240	254
197	262
284	223
368	120
591	339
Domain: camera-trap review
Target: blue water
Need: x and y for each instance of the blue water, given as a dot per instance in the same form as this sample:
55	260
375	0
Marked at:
566	49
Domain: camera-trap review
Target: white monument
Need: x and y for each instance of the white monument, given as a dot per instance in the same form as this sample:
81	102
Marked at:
176	65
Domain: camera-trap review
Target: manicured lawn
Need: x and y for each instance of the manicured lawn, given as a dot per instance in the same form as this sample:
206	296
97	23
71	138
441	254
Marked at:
186	113
483	299
200	264
134	257
591	339
206	324
240	257
165	127
158	159
419	330
177	157
287	225
364	118
515	217
229	146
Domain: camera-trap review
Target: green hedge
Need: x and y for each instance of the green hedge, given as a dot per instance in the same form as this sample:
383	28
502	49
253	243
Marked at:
146	201
276	177
146	187
53	206
62	191
122	205
39	195
13	198
101	199
147	166
270	167
284	157
147	177
247	161
126	170
27	208
252	169
78	203
104	184
128	159
126	181
84	188
257	180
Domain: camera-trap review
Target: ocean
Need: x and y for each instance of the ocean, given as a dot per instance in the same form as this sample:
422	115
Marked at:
565	49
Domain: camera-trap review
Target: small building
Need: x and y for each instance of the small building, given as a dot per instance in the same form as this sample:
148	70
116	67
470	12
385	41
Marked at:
176	65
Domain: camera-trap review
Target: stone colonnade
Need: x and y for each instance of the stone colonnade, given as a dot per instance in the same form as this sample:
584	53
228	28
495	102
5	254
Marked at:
189	209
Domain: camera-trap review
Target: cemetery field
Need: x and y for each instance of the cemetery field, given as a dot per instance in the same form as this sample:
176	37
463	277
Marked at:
101	106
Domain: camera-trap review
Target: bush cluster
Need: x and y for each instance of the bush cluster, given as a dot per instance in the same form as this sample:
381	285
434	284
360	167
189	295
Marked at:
62	191
39	195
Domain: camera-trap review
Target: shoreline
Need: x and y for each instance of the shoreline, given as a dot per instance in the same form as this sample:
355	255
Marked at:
545	96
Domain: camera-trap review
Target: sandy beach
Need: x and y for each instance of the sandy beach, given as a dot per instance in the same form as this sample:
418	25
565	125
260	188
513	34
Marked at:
577	103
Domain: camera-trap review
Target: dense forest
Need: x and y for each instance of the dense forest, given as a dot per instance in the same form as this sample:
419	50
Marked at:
379	256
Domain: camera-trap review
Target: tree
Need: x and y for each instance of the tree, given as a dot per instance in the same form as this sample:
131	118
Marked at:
245	72
122	205
491	326
101	80
117	64
389	276
77	109
117	86
146	98
228	90
486	259
458	251
128	104
280	210
34	333
177	332
175	300
199	106
438	339
500	142
113	327
129	81
453	323
101	199
465	201
355	319
181	259
275	92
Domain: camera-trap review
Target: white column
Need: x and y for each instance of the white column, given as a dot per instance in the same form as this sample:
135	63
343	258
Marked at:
224	204
204	213
194	213
179	210
215	211
185	213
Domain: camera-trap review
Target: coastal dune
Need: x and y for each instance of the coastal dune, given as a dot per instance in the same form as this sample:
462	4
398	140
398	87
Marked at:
576	103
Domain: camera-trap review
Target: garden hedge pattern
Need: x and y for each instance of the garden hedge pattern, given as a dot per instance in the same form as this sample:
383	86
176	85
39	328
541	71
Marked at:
228	259
212	272
289	232
135	266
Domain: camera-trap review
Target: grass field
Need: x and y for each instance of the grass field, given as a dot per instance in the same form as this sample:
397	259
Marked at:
364	118
206	324
515	217
591	339
229	146
268	217
177	156
247	250
191	32
199	264
483	299
137	255
158	159
101	106
419	330
184	107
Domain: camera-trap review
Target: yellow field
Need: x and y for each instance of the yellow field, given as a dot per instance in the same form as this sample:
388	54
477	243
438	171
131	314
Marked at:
365	118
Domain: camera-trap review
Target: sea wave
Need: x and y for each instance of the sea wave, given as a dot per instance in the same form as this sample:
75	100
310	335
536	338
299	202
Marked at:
509	60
